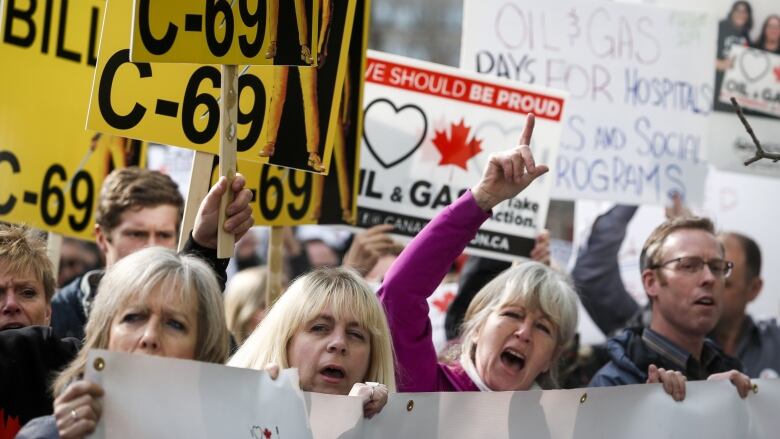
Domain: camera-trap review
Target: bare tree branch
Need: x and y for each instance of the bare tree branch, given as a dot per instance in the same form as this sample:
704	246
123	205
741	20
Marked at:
760	153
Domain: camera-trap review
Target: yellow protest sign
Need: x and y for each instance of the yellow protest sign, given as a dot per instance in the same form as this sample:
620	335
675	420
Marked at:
288	114
51	169
226	32
290	197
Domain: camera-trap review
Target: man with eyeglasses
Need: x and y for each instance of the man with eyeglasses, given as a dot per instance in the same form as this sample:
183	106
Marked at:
683	274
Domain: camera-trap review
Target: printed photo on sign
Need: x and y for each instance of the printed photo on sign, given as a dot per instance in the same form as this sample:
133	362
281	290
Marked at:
178	104
284	196
748	46
640	83
253	32
428	133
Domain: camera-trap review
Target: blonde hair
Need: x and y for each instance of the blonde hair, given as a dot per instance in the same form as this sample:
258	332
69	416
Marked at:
244	296
538	288
146	272
347	294
22	250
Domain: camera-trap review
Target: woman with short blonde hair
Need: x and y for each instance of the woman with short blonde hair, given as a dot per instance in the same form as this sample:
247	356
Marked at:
330	325
245	305
153	302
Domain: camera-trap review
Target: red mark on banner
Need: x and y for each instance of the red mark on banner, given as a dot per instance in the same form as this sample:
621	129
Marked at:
8	426
267	433
443	303
777	73
456	148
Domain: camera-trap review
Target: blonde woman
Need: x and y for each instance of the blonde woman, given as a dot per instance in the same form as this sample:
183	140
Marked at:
245	304
155	302
329	325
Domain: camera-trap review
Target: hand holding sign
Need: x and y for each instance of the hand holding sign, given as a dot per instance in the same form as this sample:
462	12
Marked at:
239	213
509	172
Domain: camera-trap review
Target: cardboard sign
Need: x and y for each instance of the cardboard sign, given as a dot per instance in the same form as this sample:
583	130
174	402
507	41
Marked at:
286	113
51	169
754	80
428	132
640	79
285	196
226	32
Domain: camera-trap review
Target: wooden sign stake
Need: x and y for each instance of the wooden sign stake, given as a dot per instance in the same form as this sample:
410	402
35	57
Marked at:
53	249
200	175
228	109
273	285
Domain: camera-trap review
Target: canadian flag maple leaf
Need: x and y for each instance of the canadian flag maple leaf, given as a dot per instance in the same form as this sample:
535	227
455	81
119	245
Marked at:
455	147
777	73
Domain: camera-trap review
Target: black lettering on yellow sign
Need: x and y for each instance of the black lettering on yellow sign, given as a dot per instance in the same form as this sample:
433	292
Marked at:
218	14
55	193
272	189
21	29
195	105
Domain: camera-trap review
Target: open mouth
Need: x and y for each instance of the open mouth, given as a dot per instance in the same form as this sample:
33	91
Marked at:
333	372
12	326
513	359
706	301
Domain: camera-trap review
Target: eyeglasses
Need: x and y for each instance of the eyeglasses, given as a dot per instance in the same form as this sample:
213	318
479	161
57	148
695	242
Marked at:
694	264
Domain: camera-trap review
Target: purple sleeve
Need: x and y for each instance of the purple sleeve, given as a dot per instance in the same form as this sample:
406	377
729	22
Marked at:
414	276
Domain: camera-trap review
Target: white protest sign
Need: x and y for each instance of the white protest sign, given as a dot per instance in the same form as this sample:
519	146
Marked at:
640	79
428	132
710	410
154	397
150	397
754	80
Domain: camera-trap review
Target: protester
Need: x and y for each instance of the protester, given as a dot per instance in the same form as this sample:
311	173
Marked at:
245	301
683	273
26	280
477	272
138	208
604	296
76	258
769	39
330	325
28	351
160	304
514	328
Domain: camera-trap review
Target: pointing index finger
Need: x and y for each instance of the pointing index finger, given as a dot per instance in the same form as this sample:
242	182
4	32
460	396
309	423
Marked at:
528	130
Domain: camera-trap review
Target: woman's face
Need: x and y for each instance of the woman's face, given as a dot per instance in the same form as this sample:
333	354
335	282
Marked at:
162	325
740	16
772	30
514	346
331	353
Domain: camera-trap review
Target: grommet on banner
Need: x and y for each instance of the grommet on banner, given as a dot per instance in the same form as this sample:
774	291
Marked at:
410	405
755	388
584	398
99	364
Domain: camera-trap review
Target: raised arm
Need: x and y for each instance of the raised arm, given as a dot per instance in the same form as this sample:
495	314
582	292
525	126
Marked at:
425	261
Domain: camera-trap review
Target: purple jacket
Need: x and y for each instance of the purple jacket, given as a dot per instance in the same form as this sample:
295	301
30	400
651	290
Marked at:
412	278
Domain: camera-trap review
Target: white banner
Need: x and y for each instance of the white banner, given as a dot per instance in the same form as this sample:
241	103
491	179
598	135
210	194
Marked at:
640	79
428	132
754	80
153	397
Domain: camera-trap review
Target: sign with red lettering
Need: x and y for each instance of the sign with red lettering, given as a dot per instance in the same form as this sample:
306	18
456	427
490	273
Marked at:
640	83
428	132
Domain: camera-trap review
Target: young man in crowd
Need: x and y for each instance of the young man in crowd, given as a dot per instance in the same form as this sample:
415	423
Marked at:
139	208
